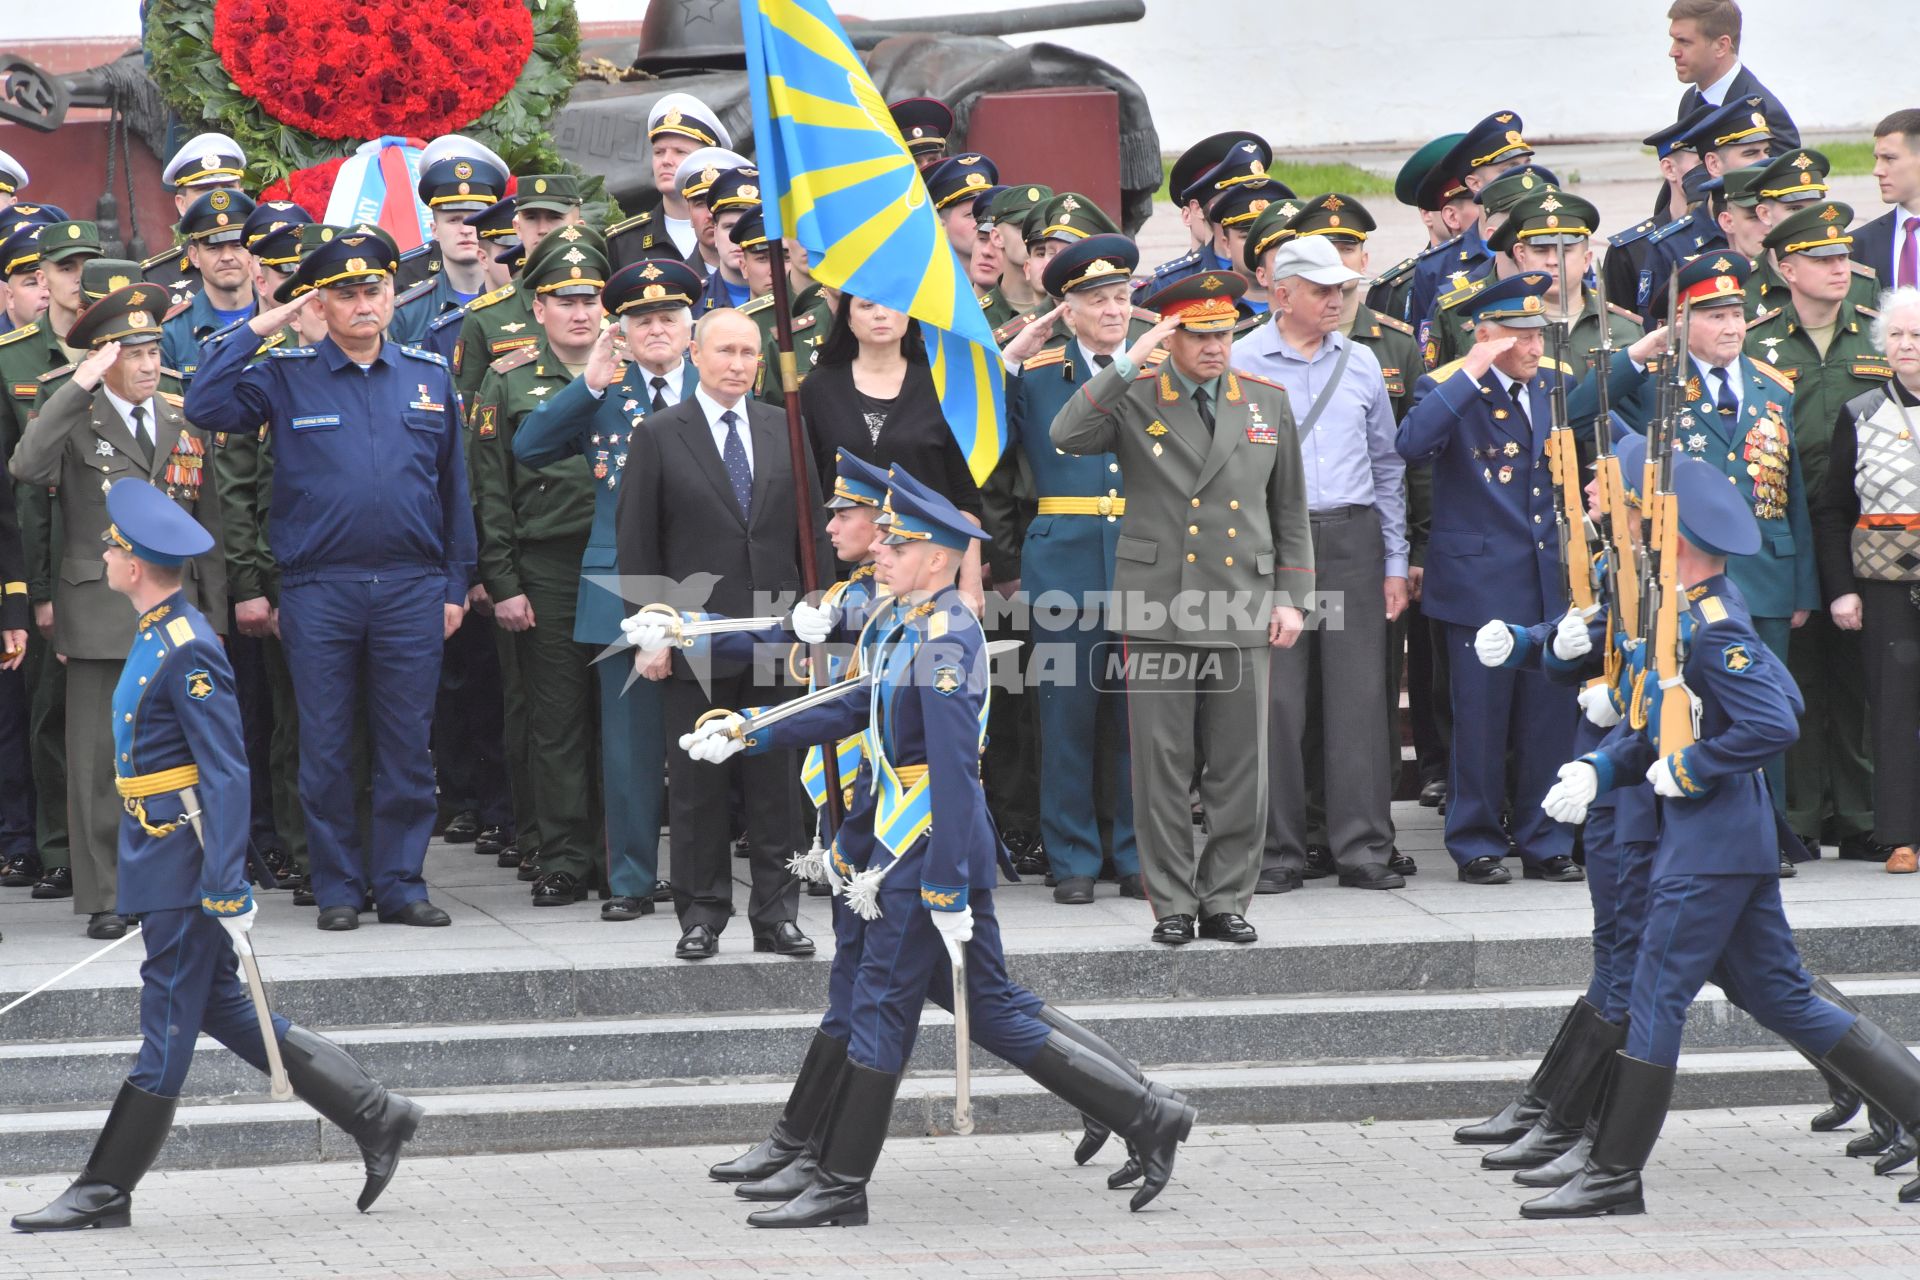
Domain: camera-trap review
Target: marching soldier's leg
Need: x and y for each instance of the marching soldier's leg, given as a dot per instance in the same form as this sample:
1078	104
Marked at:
93	803
1234	787
633	769
1160	727
47	733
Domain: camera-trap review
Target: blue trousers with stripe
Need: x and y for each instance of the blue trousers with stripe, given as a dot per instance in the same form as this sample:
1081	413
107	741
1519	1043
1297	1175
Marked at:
191	983
1617	884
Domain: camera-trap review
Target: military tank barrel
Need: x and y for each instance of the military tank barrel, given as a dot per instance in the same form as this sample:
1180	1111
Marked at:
1042	17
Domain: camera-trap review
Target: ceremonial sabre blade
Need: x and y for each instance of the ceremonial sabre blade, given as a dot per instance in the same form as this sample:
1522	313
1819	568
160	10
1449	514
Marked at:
128	936
962	1051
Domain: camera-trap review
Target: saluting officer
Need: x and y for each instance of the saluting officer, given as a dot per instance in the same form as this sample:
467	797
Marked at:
181	766
373	533
206	162
677	125
1483	422
109	420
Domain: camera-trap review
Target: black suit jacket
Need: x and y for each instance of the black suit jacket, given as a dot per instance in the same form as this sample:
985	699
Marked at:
1873	245
1786	135
677	521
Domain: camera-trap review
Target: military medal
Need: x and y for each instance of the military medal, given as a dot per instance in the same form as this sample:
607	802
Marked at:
1506	475
1511	449
103	449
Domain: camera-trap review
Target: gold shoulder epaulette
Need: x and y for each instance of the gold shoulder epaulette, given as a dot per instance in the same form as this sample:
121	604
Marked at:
515	358
24	331
1455	297
756	305
628	224
1141	313
1561	365
1052	355
1398	326
1622	312
172	398
1244	376
169	373
1713	610
1447	370
1773	373
1761	317
1871	313
488	299
148	264
937	626
1862	269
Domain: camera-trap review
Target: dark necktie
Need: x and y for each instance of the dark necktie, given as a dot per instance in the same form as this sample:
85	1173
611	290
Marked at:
659	385
1909	273
1517	392
140	425
735	457
1202	402
1723	398
1102	362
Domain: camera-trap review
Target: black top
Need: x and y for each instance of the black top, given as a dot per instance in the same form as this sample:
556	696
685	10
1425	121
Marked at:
1835	512
908	430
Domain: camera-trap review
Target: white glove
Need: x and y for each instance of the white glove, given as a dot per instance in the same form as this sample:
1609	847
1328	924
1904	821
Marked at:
714	741
1664	783
814	623
1493	643
238	926
1570	638
645	631
956	930
1596	702
1567	799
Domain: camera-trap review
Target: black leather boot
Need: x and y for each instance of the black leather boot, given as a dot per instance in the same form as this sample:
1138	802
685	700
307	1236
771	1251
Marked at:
1898	1152
102	1196
1558	1170
1882	1132
328	1079
806	1108
1153	1125
1844	1098
1630	1120
1096	1134
856	1130
1511	1122
1885	1073
1590	1045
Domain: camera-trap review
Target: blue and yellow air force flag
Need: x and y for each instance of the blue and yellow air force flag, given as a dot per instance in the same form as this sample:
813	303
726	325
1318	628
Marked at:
842	179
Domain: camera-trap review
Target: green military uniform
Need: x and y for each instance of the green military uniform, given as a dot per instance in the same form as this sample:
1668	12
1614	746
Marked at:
1830	768
533	526
495	324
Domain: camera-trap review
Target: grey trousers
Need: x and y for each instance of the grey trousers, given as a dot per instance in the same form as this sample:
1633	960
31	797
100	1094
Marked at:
93	802
1338	661
1168	686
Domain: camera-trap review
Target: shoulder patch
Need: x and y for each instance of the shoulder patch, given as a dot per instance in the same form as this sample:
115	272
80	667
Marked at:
1622	312
514	359
1736	659
1052	355
61	372
946	680
1773	374
1713	610
936	626
199	681
421	353
1761	317
1393	273
176	309
420	290
1244	376
1871	313
148	264
1454	297
172	398
25	331
1630	234
488	299
446	318
180	631
1388	322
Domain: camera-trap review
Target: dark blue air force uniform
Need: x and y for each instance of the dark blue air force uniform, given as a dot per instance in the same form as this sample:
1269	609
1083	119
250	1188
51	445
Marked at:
373	530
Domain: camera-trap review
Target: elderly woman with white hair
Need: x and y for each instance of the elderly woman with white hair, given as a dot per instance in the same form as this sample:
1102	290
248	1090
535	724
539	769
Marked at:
1867	540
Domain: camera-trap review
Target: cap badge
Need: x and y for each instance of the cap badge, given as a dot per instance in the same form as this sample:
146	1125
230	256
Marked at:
1069	204
1829	213
569	233
1333	203
356	264
220	199
539	186
653	291
1526	182
461	169
753	193
1033	195
1211	283
139	320
672	118
117	282
73	232
1721	264
651	272
1551	203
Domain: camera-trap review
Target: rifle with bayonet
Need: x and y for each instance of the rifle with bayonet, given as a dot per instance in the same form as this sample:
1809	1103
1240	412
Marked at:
1671	727
1620	555
1563	463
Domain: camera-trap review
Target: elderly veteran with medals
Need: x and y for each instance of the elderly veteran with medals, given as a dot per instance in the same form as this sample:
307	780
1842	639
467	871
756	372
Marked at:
1215	564
109	421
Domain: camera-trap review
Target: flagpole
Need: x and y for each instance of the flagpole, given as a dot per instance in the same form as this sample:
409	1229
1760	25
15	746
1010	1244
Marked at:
787	370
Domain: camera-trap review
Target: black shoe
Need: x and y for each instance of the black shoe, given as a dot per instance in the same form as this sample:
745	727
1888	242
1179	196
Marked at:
662	891
1788	868
1630	1118
462	828
105	926
492	841
328	1079
20	870
1277	882
1900	1151
1859	848
510	855
1174	931
1485	871
57	883
1401	864
1588	1053
1844	1104
1029	853
1560	870
1155	1125
338	919
785	1184
529	867
619	908
1131	887
819	889
1074	891
1227	926
804	1115
1512	1121
279	865
302	887
742	849
559	889
1319	863
1374	875
698	943
1433	794
102	1196
837	1196
784	939
420	913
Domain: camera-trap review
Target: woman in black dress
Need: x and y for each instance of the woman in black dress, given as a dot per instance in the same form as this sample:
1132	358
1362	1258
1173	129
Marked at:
872	394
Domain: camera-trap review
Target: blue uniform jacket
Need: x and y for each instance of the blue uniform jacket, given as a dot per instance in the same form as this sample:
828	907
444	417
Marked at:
1781	577
443	334
414	317
175	706
1190	263
1667	248
574	422
1441	269
182	336
369	478
1069	553
1493	551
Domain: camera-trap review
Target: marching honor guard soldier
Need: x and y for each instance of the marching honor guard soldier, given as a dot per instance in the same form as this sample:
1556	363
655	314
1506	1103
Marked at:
1822	341
677	125
595	416
534	524
181	766
1215	566
374	560
924	125
206	162
107	421
1482	421
928	891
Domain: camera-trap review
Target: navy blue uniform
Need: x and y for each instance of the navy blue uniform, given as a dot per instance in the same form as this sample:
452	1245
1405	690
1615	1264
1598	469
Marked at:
1493	553
1680	239
373	531
415	312
176	724
182	335
1442	269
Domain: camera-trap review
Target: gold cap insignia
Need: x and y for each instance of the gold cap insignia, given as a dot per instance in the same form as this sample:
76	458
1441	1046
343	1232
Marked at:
117	282
753	193
139	320
462	169
1513	136
1334	221
219	199
326	234
1211	282
1759	121
539	186
1553	220
1829	213
569	233
1333	202
1257	169
1722	264
651	273
1033	195
653	291
73	232
1802	162
1551	203
462	189
356	264
1533	304
1725	284
973	180
672	117
573	255
1526	182
1257	206
1101	267
576	273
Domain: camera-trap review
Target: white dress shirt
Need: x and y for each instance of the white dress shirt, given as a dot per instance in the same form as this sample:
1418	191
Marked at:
713	409
681	232
1716	93
1710	385
145	435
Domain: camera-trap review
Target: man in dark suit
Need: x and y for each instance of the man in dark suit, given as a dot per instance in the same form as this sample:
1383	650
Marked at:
708	498
1890	244
1706	58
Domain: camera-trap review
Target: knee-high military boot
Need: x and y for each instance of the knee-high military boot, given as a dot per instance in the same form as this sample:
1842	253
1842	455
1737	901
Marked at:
1096	1134
1591	1043
856	1130
102	1196
1630	1118
805	1113
1511	1122
1153	1125
328	1079
1885	1072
